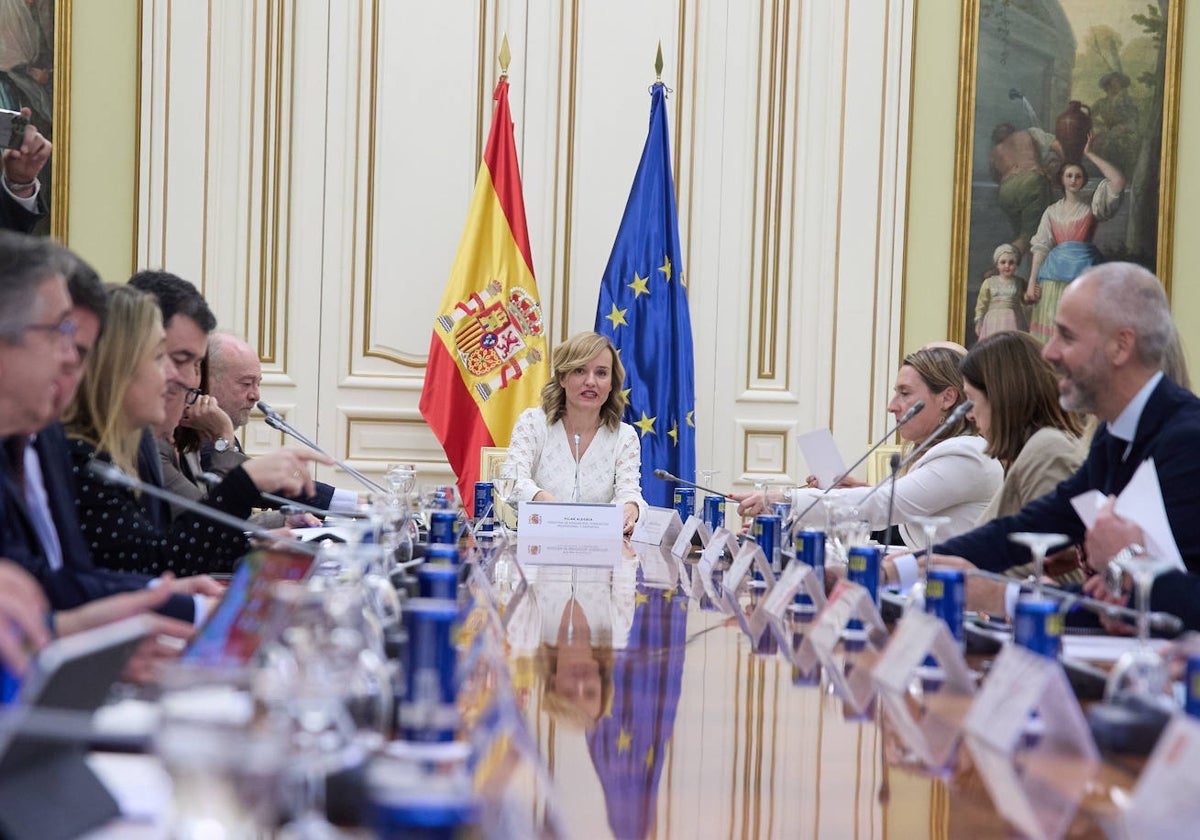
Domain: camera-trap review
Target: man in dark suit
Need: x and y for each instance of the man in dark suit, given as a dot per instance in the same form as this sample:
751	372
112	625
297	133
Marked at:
39	528
1112	329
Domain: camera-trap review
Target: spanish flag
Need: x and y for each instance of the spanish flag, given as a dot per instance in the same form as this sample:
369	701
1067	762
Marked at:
487	357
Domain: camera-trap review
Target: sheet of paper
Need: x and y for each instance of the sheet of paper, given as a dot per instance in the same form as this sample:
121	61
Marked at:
821	455
1141	502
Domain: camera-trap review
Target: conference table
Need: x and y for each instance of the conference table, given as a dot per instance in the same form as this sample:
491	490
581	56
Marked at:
654	718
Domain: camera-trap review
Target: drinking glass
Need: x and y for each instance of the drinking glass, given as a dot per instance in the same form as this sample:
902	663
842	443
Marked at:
1140	672
401	478
1038	545
929	526
506	486
849	529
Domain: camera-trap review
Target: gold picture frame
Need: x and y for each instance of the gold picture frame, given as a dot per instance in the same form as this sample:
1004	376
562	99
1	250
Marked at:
1015	71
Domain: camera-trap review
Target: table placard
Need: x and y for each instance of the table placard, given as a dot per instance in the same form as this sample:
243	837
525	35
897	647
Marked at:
657	526
850	675
1036	782
723	543
797	578
683	543
659	568
932	736
565	534
750	555
1166	800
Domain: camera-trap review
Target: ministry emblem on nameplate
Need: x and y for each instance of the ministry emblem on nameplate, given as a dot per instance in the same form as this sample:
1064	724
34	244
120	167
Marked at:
494	334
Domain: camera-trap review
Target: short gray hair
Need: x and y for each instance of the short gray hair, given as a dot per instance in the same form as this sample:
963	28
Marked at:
1129	296
26	262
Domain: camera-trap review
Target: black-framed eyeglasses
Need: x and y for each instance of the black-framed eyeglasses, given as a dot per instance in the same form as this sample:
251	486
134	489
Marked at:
65	329
190	395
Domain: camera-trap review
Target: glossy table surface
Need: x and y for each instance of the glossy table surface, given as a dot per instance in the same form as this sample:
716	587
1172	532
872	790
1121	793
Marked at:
655	719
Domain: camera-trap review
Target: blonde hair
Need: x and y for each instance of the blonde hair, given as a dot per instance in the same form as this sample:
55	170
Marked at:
97	414
575	351
938	369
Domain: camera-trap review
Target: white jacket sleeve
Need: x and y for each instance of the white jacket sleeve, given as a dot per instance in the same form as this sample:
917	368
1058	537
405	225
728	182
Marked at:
627	468
524	451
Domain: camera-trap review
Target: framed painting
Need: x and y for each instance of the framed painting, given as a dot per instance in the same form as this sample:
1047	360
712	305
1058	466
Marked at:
1066	145
35	74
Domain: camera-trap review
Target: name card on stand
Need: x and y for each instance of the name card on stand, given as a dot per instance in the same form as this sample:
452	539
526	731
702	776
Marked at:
797	578
723	543
749	555
657	526
1166	801
850	677
1036	775
933	737
683	543
659	569
557	533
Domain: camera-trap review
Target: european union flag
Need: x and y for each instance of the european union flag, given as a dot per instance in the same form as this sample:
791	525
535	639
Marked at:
643	308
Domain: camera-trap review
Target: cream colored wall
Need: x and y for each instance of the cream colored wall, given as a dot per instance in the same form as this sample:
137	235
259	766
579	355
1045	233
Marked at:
930	202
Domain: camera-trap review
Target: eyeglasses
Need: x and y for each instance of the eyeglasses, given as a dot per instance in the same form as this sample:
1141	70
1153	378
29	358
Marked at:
190	395
66	328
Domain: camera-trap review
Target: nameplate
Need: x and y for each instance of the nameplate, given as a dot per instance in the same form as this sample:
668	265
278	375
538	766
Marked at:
723	543
657	525
850	673
797	579
749	556
1166	801
693	527
1036	781
556	533
932	729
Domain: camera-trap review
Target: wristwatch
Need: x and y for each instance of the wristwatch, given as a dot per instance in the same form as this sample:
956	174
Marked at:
1115	569
220	444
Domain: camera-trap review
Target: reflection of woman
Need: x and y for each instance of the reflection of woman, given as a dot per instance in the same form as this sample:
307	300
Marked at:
575	447
123	391
1062	247
953	478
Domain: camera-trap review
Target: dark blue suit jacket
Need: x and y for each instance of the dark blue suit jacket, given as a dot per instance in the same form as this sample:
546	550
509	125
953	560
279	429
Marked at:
1168	432
79	580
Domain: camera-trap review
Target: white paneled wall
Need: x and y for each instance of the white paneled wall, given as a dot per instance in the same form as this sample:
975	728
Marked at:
309	164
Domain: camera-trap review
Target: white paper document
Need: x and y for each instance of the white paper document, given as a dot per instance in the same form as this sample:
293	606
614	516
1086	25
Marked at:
821	455
1140	502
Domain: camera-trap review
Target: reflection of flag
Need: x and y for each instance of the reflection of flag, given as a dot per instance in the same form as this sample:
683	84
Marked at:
488	337
629	744
644	310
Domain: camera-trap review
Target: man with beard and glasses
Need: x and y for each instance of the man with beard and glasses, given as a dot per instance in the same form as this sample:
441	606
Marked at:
1111	333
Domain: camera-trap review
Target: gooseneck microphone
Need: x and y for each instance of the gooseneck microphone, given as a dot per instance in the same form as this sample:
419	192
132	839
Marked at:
576	497
279	424
893	468
112	474
912	412
1163	622
950	421
666	476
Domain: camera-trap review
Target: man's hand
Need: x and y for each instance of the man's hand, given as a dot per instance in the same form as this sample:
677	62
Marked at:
1109	535
285	472
159	648
194	585
23	610
22	165
208	419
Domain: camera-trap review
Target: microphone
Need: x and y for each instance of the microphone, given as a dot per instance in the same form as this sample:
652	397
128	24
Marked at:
576	499
666	476
1163	622
954	417
112	474
893	467
912	412
279	424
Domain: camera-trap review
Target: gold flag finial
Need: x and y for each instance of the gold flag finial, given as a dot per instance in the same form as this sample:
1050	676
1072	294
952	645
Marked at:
505	56
658	64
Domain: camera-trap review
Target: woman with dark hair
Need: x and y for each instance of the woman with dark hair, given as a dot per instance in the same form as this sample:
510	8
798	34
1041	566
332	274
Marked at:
953	478
1017	412
1062	247
575	447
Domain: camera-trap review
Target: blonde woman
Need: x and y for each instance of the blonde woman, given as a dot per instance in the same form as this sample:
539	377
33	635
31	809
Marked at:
123	391
574	448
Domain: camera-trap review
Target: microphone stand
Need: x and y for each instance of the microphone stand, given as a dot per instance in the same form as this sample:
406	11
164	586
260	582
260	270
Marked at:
916	409
894	467
279	424
112	474
666	476
954	417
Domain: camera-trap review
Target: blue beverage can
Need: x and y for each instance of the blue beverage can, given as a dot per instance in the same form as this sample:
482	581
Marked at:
435	580
1038	626
10	685
863	568
441	554
443	527
714	512
483	511
428	712
946	597
766	534
1191	686
810	549
685	502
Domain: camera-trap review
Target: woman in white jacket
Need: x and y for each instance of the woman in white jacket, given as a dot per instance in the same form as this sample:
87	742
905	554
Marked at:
953	478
